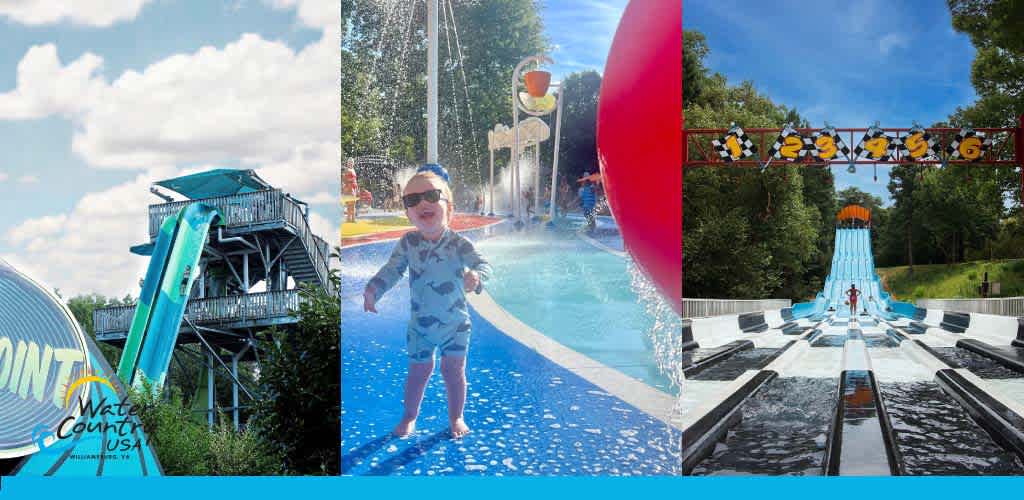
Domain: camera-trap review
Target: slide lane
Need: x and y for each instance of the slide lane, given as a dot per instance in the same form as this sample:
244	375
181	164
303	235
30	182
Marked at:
173	268
849	397
943	416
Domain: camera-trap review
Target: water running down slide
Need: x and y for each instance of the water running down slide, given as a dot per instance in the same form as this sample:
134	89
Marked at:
853	264
173	268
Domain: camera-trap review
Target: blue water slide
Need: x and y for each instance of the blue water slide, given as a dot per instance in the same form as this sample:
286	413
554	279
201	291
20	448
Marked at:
853	264
173	268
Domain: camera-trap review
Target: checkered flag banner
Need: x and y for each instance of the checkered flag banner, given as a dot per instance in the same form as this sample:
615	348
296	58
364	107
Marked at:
734	145
877	144
806	145
917	144
827	145
968	144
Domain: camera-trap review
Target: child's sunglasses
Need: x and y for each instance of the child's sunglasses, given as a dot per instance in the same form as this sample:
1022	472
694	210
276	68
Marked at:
413	199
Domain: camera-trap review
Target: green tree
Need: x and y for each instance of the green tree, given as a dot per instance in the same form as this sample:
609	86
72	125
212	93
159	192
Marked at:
578	150
386	45
298	411
734	218
694	50
83	306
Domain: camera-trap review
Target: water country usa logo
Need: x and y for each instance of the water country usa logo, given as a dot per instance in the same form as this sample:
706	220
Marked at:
106	425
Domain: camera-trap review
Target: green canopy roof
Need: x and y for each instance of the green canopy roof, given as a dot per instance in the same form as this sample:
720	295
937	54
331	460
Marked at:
218	182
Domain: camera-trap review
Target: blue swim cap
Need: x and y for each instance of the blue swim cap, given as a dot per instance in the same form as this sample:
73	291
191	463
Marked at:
435	168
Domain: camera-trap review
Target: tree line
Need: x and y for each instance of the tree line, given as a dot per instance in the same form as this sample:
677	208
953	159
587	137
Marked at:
383	87
748	234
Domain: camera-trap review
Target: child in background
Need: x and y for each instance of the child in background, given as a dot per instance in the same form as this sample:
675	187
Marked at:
443	266
588	199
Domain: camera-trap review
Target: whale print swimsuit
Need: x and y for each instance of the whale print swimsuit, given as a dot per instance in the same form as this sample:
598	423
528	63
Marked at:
439	314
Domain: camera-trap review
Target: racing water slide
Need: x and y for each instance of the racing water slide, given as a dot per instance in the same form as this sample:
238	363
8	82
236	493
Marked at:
173	268
853	264
891	390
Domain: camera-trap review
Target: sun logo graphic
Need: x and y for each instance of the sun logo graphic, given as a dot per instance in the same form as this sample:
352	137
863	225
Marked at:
70	387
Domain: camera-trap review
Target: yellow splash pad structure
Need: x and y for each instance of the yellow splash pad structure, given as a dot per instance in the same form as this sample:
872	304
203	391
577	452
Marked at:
376	225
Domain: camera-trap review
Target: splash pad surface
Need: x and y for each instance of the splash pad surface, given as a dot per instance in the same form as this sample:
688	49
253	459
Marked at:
540	402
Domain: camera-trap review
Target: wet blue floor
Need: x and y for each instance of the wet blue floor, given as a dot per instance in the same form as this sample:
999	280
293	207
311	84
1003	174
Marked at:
529	416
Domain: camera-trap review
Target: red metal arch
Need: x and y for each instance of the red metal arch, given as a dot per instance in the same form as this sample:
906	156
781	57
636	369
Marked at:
699	152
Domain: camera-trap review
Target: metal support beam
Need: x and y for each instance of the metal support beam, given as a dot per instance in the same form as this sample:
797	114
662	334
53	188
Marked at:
553	210
209	389
202	279
536	179
1018	144
211	352
491	212
234	386
281	253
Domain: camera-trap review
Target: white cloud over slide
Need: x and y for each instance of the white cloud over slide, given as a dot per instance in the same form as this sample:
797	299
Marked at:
98	13
254	102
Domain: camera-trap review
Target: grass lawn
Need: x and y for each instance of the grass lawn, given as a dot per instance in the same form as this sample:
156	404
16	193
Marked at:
944	281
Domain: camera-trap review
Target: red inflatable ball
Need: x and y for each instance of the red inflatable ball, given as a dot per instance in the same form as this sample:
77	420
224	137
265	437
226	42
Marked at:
639	125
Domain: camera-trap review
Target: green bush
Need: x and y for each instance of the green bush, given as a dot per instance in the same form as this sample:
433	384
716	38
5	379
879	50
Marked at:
186	447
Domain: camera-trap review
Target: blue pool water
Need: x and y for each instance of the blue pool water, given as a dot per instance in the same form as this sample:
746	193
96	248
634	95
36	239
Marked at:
529	415
577	294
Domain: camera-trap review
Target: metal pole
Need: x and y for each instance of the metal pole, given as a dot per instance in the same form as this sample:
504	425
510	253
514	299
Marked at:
536	179
245	273
492	182
234	391
202	279
209	390
514	164
554	162
431	81
1018	145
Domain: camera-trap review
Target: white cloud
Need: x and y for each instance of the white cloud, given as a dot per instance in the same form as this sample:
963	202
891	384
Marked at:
38	227
891	41
255	101
3	176
28	179
99	13
323	197
86	250
324	228
323	14
308	170
46	87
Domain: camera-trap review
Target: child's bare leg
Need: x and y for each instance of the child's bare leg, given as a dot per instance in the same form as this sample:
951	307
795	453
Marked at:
453	369
415	385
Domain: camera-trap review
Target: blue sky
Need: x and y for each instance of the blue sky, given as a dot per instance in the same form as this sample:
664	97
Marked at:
581	33
97	100
846	62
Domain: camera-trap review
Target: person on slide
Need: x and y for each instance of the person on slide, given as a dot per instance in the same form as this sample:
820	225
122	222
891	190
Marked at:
853	293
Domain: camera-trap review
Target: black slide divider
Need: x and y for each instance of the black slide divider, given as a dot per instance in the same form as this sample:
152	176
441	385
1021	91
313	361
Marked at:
1015	363
852	409
1002	423
1019	341
723	353
699	439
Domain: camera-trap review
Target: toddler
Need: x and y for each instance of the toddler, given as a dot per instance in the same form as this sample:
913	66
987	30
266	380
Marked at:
443	265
